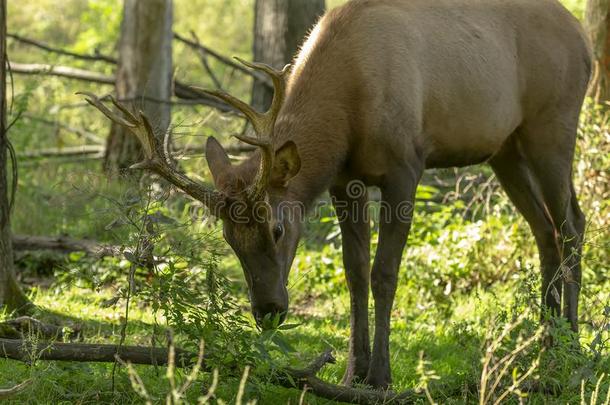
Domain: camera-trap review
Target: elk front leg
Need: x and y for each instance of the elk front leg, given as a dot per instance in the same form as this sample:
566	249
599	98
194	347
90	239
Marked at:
394	224
353	217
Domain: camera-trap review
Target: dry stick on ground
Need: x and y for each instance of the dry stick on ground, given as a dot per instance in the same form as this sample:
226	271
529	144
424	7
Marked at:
27	326
9	392
24	350
302	378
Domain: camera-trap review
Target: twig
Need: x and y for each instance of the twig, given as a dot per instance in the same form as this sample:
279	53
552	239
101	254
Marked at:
203	57
227	61
181	90
95	57
8	392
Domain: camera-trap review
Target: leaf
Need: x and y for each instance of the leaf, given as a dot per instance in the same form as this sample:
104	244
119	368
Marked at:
289	326
283	344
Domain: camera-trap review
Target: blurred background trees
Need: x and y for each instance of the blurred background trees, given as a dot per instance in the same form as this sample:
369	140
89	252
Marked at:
143	76
280	27
597	24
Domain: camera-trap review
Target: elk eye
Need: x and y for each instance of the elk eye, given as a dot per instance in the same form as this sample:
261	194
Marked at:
278	231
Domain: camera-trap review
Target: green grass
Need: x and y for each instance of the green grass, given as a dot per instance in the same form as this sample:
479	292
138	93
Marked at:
452	345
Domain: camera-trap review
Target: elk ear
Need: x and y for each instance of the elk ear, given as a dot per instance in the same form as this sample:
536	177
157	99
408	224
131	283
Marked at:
287	164
218	160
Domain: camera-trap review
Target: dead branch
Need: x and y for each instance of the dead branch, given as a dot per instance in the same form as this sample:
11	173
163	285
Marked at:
97	152
203	57
306	379
84	150
8	392
64	245
303	378
61	71
24	326
27	351
109	59
227	61
181	90
95	57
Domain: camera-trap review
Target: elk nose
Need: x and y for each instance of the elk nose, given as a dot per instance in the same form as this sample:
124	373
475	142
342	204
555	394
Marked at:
269	315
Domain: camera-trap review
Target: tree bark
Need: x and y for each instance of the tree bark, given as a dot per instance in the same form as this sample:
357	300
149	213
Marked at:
11	296
597	23
144	75
280	27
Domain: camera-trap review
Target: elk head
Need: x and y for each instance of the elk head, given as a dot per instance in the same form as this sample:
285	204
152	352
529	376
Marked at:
260	224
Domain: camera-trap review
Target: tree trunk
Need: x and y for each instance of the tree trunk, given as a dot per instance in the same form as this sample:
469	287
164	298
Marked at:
11	296
597	22
144	75
280	27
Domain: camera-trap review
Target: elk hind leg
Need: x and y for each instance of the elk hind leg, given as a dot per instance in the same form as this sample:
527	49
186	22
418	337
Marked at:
516	177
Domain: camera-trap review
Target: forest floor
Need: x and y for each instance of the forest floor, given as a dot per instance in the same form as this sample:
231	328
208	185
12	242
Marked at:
469	275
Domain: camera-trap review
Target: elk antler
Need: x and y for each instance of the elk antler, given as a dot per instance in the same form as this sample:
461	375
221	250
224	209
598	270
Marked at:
154	155
263	123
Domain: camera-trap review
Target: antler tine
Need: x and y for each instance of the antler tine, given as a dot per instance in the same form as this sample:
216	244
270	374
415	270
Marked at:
257	190
155	159
278	77
97	103
263	123
253	116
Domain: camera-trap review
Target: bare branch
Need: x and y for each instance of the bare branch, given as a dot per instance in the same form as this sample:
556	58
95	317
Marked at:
181	90
203	57
61	71
84	150
227	61
95	57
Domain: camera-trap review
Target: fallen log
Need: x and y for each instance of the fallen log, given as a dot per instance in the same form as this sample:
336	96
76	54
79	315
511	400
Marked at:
289	378
24	326
24	350
64	245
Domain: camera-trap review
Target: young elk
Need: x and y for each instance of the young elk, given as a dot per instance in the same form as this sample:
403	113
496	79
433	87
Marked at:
381	91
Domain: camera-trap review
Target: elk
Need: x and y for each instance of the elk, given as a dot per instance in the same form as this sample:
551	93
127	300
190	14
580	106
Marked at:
381	91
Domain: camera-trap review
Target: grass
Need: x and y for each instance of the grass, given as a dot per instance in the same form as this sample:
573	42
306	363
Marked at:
453	348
